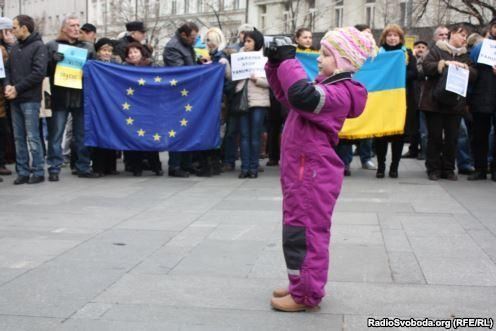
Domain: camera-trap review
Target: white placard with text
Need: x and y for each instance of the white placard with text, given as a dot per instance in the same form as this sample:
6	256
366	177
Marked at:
244	64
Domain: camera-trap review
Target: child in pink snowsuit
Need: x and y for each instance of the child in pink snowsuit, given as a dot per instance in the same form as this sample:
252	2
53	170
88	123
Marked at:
311	171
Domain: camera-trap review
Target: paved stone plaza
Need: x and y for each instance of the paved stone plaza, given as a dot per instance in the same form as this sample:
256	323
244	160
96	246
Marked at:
126	253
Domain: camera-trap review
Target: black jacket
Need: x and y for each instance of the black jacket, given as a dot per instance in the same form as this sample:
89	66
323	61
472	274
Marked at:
26	68
176	53
482	94
64	97
434	65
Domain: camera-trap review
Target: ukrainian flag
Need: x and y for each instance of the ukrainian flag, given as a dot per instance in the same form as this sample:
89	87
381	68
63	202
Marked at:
385	112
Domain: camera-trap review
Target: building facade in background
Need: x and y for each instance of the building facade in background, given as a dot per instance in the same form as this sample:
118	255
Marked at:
270	16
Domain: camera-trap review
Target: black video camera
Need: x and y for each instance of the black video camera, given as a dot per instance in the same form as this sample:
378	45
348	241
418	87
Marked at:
279	48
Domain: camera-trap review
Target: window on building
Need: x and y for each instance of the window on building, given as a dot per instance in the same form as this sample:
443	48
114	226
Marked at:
199	6
186	6
263	17
173	7
403	14
236	4
370	14
286	18
338	13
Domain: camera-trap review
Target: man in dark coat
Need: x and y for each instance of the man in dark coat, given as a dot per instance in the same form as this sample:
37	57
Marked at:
136	32
64	101
482	103
179	51
26	68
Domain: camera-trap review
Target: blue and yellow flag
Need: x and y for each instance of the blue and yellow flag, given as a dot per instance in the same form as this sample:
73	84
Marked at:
385	112
308	59
152	108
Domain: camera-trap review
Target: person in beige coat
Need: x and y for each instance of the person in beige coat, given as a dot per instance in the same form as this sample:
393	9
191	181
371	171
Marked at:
251	123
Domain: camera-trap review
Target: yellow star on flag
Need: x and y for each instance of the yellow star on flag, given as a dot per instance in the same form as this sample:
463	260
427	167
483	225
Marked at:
173	82
141	132
188	107
130	121
158	79
126	106
172	134
184	122
156	137
184	92
141	82
130	91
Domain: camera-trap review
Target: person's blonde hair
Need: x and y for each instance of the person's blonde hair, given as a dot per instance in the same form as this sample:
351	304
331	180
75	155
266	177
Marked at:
216	36
392	28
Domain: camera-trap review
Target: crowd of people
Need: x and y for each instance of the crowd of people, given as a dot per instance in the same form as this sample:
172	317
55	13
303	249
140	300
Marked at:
42	124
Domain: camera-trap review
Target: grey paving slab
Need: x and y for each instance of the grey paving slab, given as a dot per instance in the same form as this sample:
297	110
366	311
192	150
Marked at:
367	206
28	323
431	225
405	268
357	234
160	220
121	248
223	319
55	290
359	263
29	253
220	258
249	205
396	240
352	218
368	299
485	240
216	217
458	270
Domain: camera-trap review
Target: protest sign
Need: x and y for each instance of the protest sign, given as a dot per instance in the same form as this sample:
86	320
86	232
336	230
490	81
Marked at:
457	81
245	64
487	53
69	72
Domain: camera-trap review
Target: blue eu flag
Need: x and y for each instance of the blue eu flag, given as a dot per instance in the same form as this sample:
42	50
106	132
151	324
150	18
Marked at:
152	108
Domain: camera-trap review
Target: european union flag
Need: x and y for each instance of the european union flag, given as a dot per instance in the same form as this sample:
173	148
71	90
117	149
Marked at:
152	108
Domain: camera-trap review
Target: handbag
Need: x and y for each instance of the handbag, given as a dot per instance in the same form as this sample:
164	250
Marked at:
444	97
239	102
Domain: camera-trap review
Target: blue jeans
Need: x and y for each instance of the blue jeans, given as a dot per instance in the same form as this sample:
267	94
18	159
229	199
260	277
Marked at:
365	150
464	155
230	140
251	127
423	132
56	127
345	152
25	122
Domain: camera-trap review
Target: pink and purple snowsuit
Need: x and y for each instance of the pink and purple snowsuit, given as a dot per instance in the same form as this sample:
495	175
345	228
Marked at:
311	171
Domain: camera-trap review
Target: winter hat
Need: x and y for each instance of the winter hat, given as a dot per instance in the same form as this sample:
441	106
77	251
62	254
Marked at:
102	42
5	23
350	47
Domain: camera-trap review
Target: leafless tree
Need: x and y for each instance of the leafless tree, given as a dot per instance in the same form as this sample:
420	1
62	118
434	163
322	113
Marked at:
480	10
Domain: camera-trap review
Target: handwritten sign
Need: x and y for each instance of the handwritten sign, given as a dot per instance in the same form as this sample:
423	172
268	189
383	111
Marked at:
244	64
487	53
457	81
69	72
